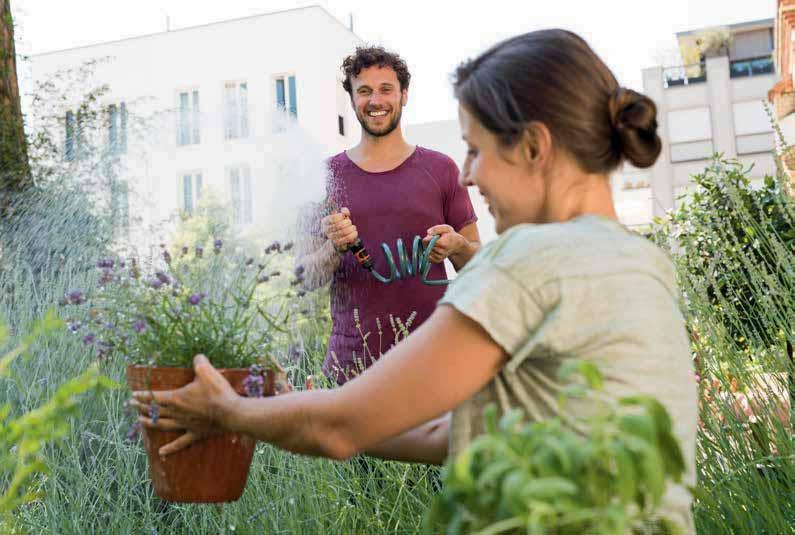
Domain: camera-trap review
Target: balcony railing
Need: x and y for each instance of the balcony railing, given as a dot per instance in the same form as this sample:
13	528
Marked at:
740	68
684	75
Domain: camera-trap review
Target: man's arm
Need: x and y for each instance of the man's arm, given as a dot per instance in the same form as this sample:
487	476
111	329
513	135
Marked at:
319	259
468	248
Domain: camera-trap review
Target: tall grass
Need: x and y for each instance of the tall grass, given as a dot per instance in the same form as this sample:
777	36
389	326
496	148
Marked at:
733	246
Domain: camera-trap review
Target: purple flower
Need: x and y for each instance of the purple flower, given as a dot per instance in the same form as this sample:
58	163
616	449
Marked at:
105	263
135	430
156	284
167	256
134	271
74	326
287	246
76	297
199	252
106	276
254	384
184	250
299	271
88	339
154	412
139	326
217	244
162	277
263	279
195	299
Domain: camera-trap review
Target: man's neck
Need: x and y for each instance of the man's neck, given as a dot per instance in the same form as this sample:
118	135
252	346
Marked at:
384	153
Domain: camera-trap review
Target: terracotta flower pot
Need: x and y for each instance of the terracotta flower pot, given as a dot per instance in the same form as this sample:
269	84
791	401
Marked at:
210	471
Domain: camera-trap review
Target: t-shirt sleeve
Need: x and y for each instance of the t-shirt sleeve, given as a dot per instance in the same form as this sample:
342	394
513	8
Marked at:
492	297
458	210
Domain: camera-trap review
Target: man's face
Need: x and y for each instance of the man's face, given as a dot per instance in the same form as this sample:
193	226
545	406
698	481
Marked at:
378	100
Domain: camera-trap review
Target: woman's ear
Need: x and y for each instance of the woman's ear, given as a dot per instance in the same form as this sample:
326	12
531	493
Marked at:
536	144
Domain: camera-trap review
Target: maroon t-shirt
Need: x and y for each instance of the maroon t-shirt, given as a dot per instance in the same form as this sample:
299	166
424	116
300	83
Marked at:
405	202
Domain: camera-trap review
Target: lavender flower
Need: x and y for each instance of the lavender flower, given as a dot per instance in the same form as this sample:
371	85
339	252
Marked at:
199	252
254	384
139	326
156	284
88	339
76	297
162	277
299	270
184	250
287	246
106	276
74	326
134	431
217	244
195	299
105	263
167	256
154	412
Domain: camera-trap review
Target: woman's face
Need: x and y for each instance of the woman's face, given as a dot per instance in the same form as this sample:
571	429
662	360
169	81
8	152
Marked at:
513	192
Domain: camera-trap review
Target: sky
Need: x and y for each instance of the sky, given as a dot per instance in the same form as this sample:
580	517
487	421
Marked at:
434	36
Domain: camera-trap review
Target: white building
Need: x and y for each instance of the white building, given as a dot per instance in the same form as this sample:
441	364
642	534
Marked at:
234	105
714	106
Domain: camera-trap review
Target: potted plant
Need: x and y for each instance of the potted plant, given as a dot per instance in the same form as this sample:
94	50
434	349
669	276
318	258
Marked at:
158	318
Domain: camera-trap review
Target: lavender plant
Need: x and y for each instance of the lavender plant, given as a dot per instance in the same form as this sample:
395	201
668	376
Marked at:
186	303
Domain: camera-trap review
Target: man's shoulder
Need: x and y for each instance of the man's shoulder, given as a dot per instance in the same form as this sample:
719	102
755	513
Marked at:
434	158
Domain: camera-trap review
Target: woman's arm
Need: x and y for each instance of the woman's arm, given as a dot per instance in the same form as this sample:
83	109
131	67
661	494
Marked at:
444	362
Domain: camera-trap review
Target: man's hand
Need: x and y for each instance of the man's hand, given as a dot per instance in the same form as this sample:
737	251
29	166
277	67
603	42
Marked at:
339	229
449	243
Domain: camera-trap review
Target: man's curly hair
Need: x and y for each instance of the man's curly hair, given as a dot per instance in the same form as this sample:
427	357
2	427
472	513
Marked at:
371	56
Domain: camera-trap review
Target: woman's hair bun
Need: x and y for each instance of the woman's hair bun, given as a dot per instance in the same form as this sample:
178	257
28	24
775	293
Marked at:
633	117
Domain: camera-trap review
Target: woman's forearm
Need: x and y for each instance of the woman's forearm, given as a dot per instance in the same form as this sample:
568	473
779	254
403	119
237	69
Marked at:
304	423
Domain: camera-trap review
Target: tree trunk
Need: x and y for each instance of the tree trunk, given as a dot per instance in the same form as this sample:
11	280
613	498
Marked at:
14	167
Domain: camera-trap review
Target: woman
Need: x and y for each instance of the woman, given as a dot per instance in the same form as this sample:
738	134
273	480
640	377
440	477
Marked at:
545	123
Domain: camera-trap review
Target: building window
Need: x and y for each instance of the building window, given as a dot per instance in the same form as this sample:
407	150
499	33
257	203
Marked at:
341	125
191	184
235	110
286	95
120	204
241	194
117	128
69	146
188	119
123	128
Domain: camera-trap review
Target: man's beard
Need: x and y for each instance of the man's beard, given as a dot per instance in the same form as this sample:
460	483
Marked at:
384	131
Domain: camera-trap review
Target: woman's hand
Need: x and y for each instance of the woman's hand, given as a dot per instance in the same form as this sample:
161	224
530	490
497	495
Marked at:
197	408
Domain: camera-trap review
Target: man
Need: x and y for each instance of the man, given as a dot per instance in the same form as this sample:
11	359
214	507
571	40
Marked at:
384	189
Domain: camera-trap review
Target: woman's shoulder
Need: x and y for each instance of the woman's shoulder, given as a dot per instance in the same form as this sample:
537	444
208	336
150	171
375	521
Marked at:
586	246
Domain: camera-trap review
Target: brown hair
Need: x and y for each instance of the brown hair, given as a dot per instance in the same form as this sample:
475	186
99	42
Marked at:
374	56
554	77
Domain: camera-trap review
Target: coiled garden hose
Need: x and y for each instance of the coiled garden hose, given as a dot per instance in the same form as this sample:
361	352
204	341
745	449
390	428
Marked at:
417	265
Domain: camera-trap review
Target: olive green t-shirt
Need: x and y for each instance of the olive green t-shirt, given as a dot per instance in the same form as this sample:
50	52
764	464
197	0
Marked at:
586	289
